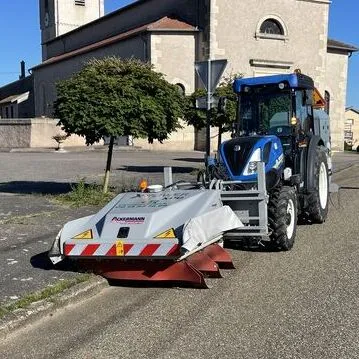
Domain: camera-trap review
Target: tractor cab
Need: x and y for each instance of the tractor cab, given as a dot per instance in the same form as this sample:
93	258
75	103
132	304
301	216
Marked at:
275	123
280	106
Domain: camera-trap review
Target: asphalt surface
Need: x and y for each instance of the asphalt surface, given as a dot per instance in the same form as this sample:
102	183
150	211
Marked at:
299	304
30	220
51	172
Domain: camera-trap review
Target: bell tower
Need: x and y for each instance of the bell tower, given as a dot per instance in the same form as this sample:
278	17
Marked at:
58	17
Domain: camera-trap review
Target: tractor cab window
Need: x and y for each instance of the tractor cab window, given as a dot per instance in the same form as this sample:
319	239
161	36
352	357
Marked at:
303	110
266	112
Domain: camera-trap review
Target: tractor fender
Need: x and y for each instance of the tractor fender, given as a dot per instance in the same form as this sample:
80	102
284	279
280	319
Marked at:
314	142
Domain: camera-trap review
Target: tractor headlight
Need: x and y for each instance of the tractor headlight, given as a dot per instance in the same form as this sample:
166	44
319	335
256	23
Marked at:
251	167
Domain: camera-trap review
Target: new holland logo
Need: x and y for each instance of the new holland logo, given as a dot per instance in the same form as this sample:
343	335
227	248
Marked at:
128	220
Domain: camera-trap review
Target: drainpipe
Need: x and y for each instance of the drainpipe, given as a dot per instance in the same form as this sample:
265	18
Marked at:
57	19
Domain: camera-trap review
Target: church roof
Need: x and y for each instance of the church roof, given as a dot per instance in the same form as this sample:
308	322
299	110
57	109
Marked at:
164	24
341	46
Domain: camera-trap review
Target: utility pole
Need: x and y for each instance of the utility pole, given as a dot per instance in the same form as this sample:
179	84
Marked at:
208	119
209	92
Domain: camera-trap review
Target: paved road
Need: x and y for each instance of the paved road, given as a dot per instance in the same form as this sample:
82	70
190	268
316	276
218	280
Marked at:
299	304
48	172
29	223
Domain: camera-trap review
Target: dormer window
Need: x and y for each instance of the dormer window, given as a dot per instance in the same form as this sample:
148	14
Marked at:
271	26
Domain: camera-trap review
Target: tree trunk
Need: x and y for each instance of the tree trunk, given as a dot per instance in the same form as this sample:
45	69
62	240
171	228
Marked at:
108	165
219	137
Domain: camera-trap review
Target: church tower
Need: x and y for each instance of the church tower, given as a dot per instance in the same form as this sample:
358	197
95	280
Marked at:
60	16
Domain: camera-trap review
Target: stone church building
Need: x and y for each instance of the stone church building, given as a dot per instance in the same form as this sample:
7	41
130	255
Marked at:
258	37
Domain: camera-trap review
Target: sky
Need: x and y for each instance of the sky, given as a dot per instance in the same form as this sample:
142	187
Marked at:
20	37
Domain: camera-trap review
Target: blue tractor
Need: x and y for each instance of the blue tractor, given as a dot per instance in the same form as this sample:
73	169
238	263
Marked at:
280	126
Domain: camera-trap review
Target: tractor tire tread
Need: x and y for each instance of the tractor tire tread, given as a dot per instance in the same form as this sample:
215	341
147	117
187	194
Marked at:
277	214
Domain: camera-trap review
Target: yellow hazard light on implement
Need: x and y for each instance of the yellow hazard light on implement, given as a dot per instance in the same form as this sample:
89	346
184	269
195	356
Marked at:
120	250
169	234
84	235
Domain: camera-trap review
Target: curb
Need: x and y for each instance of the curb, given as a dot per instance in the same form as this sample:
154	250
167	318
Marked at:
38	310
73	149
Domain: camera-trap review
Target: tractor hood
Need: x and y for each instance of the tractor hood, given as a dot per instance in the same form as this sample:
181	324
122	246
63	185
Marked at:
240	155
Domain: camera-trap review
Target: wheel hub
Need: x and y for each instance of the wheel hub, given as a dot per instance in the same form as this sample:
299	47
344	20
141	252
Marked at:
290	218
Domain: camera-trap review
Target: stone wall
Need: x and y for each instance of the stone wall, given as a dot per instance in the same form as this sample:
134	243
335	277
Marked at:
33	133
182	140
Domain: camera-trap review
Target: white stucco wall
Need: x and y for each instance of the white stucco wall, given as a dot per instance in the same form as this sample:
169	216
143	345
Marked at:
235	36
173	54
336	84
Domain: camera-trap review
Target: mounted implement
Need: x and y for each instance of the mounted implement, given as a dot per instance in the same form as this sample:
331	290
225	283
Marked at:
152	237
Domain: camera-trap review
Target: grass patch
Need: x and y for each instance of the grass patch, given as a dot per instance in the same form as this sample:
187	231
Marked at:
83	194
26	219
46	293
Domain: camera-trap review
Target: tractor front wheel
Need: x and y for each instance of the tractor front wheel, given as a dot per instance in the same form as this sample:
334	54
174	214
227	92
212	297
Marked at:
282	217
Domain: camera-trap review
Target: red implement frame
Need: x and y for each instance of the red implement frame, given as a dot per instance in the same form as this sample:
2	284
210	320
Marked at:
190	271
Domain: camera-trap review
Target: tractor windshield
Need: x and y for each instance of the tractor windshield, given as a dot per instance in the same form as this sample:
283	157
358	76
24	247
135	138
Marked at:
264	111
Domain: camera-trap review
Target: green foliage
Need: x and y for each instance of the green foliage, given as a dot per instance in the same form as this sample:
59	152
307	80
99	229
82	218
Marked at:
224	120
83	194
115	97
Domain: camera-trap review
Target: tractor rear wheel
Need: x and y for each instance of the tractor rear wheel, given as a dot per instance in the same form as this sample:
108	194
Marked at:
282	217
318	199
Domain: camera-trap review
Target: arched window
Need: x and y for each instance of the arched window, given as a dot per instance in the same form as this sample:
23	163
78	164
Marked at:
327	101
271	26
181	89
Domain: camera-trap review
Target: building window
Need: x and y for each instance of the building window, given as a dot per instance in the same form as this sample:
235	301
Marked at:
80	2
46	5
327	102
6	112
12	111
271	26
181	89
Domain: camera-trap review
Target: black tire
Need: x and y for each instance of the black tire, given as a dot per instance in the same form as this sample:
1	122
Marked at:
317	206
282	220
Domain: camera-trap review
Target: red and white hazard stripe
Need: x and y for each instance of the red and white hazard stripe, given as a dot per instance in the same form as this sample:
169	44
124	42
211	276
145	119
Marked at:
130	249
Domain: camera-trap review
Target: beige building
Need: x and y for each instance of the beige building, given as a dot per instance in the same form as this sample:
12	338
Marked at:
258	37
351	128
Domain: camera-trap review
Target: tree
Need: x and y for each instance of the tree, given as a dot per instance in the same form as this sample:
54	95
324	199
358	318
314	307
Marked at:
115	97
223	119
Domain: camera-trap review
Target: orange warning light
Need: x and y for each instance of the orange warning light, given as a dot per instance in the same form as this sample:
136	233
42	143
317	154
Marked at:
143	185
